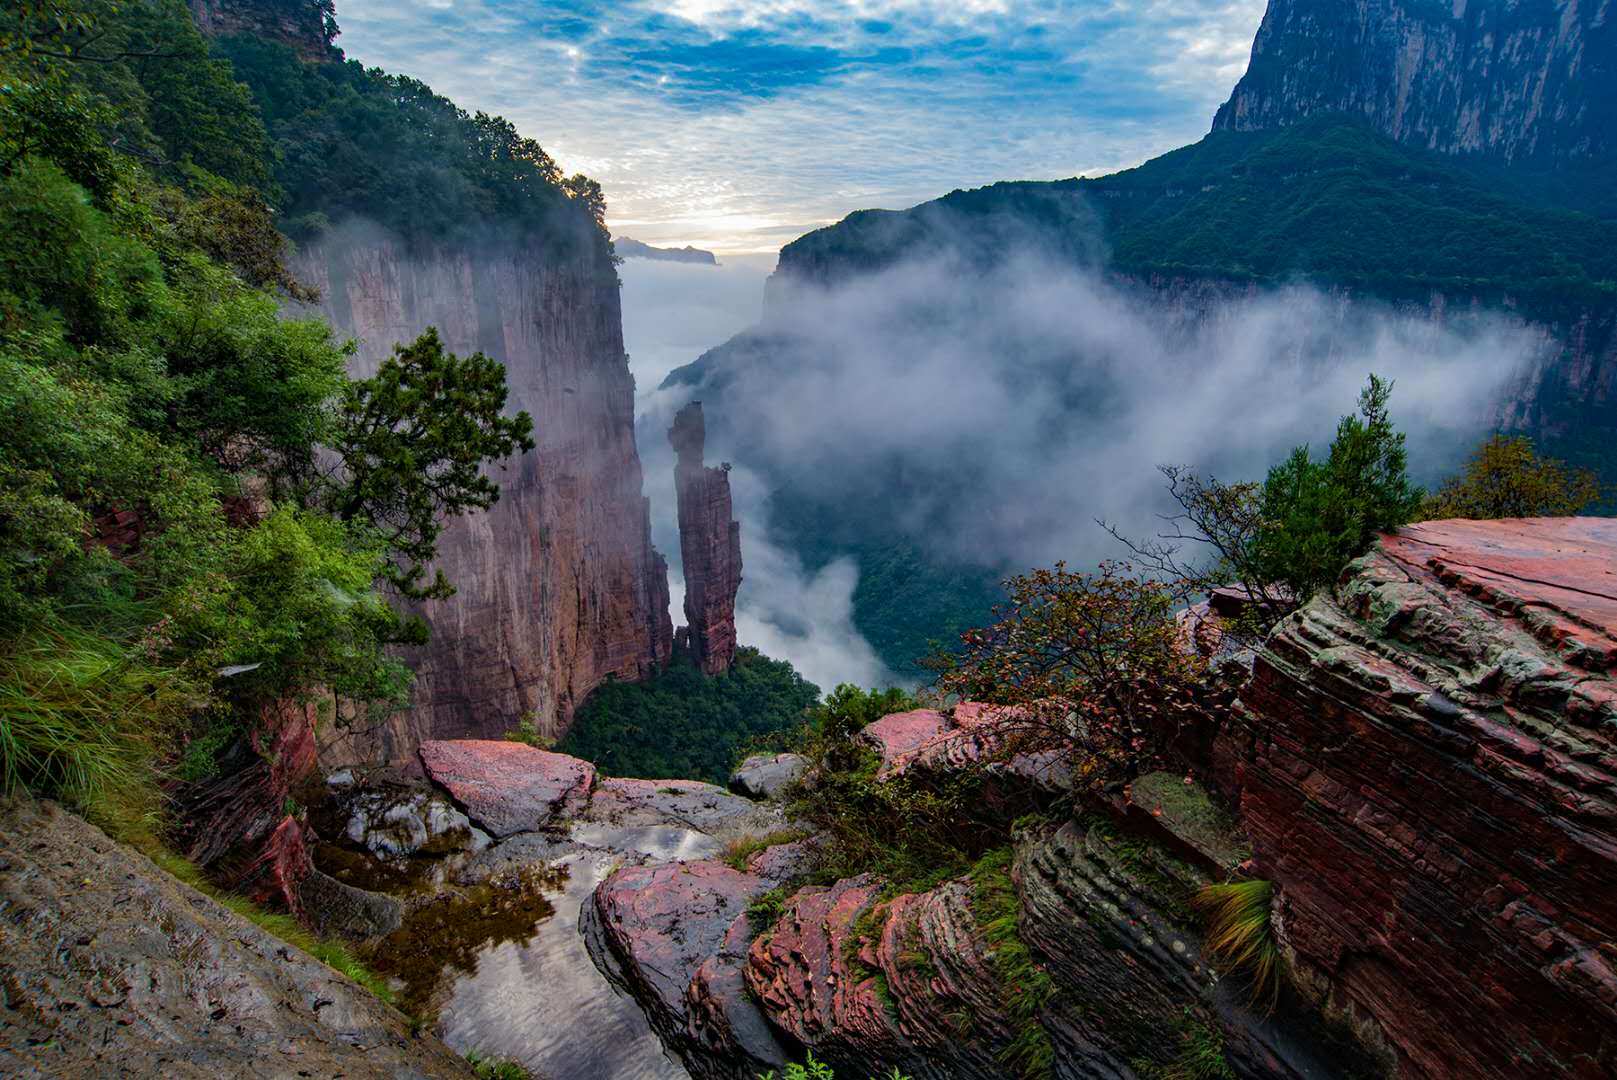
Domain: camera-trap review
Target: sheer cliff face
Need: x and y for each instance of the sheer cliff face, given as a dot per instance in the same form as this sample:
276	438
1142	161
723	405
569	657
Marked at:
558	585
709	546
1519	79
298	23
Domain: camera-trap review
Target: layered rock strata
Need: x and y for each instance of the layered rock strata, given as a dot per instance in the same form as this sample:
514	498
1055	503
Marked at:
1520	80
709	546
870	981
558	585
1429	774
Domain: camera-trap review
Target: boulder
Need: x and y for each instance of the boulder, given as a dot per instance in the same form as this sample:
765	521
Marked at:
1428	771
767	776
651	928
971	734
509	787
392	823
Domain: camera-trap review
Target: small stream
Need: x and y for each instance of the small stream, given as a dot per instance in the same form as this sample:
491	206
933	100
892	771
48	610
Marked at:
502	967
543	1003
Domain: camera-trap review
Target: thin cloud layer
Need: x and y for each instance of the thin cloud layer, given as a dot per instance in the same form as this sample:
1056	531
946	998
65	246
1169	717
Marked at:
738	126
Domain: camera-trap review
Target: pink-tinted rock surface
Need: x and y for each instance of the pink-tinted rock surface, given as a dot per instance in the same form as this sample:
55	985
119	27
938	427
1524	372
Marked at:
509	787
926	740
709	546
652	928
239	820
558	585
298	25
703	808
1429	773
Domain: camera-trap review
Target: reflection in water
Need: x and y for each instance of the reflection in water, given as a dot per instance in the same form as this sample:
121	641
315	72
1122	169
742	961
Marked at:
542	1002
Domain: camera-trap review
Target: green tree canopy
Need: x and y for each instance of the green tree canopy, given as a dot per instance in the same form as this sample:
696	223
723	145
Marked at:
1506	478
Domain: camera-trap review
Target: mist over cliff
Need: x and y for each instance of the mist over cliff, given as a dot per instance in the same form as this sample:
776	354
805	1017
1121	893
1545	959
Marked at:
990	410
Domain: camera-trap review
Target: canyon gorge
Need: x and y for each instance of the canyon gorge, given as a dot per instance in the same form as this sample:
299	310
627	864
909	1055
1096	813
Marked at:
1373	836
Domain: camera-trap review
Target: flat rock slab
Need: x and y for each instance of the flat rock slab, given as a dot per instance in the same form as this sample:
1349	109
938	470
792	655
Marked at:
690	804
115	969
1563	570
509	787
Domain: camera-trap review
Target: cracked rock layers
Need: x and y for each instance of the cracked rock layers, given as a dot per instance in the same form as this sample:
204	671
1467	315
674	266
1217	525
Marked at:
1430	778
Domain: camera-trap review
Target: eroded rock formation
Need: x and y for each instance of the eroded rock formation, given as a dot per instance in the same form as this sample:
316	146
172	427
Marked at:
559	586
709	546
1520	79
1422	764
1429	775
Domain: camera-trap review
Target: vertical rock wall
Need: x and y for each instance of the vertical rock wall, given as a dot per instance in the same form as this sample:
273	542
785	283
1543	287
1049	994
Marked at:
709	546
298	23
1519	79
559	586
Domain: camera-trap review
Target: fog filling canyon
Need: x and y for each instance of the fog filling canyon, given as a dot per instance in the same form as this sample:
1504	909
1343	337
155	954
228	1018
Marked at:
996	413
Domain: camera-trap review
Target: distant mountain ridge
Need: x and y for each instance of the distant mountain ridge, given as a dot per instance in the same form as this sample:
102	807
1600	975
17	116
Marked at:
630	248
1521	80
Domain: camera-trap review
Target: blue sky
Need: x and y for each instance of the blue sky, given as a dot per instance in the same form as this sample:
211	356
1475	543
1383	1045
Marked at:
738	126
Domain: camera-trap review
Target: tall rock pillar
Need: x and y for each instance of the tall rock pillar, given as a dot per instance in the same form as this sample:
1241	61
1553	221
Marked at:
709	547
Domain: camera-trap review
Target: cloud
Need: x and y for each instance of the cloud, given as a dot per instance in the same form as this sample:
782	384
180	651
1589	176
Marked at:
672	312
724	124
995	412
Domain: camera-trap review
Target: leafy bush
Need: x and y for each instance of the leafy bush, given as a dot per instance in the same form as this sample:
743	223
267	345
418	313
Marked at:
1092	664
1291	536
1320	515
813	1069
1506	478
175	546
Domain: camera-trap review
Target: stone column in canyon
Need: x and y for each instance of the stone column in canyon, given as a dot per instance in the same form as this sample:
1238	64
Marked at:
709	546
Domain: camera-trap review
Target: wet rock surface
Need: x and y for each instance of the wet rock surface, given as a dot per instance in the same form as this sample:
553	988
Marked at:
488	941
115	969
768	776
1429	774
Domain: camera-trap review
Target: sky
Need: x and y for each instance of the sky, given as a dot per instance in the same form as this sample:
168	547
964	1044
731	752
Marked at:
739	126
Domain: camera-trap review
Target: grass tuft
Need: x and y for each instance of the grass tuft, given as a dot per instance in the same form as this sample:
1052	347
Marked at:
81	718
495	1068
738	852
1240	938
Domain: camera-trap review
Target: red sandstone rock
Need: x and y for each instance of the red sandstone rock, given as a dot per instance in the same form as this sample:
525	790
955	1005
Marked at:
652	929
1429	774
509	787
558	585
709	546
927	740
298	25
